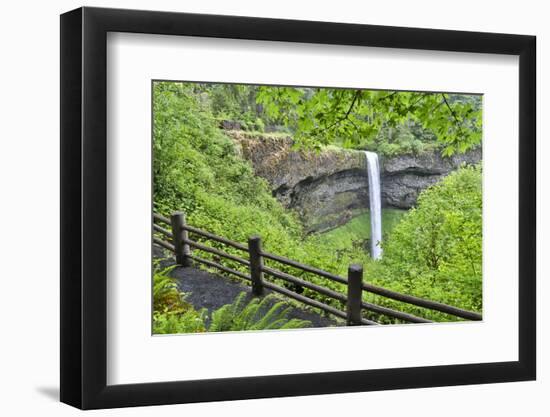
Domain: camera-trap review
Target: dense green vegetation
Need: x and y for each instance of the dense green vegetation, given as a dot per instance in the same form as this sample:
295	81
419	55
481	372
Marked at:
353	117
433	251
386	122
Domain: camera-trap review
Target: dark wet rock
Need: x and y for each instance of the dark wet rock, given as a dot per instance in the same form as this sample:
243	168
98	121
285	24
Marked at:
404	177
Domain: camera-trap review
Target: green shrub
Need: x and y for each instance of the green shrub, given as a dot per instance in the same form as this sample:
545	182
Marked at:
435	251
259	125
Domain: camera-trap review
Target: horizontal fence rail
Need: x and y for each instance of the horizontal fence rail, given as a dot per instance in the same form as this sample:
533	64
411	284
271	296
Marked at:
164	244
220	267
219	239
218	252
177	241
160	218
390	312
163	231
421	302
306	284
303	267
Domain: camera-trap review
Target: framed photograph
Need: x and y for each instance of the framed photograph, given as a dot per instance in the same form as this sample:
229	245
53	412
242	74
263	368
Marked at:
256	208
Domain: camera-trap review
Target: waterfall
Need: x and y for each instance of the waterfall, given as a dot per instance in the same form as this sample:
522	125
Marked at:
373	171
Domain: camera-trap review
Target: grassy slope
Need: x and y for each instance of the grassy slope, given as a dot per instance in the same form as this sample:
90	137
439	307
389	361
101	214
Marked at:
357	230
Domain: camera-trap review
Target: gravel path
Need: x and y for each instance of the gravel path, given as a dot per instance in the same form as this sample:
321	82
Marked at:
212	291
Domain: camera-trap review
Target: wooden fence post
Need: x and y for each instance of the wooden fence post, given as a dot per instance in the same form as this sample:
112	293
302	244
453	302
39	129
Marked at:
256	264
182	249
353	307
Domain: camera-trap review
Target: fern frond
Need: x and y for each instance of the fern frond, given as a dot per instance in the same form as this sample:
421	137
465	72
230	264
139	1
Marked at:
254	315
296	324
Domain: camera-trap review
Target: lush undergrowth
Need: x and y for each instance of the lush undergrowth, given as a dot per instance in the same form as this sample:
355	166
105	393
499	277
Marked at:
198	170
435	252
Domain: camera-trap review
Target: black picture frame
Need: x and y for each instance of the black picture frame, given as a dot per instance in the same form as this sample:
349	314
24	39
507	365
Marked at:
84	207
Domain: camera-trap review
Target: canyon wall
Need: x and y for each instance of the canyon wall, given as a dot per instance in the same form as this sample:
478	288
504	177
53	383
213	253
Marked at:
329	187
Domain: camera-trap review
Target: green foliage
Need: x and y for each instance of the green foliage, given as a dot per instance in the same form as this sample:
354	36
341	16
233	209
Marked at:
166	296
256	315
435	251
235	103
407	138
349	117
171	313
197	169
190	321
165	293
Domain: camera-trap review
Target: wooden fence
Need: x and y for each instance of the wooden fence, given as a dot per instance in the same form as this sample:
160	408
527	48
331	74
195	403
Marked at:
177	240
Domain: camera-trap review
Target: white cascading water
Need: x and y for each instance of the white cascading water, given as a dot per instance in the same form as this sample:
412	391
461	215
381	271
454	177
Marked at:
373	171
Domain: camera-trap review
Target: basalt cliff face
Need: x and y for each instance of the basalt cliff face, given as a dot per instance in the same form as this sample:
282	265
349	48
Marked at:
329	187
405	176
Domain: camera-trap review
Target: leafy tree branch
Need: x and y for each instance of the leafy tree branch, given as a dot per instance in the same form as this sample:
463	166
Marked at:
355	117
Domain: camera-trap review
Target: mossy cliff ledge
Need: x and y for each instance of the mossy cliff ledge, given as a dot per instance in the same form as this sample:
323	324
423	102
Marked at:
329	187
